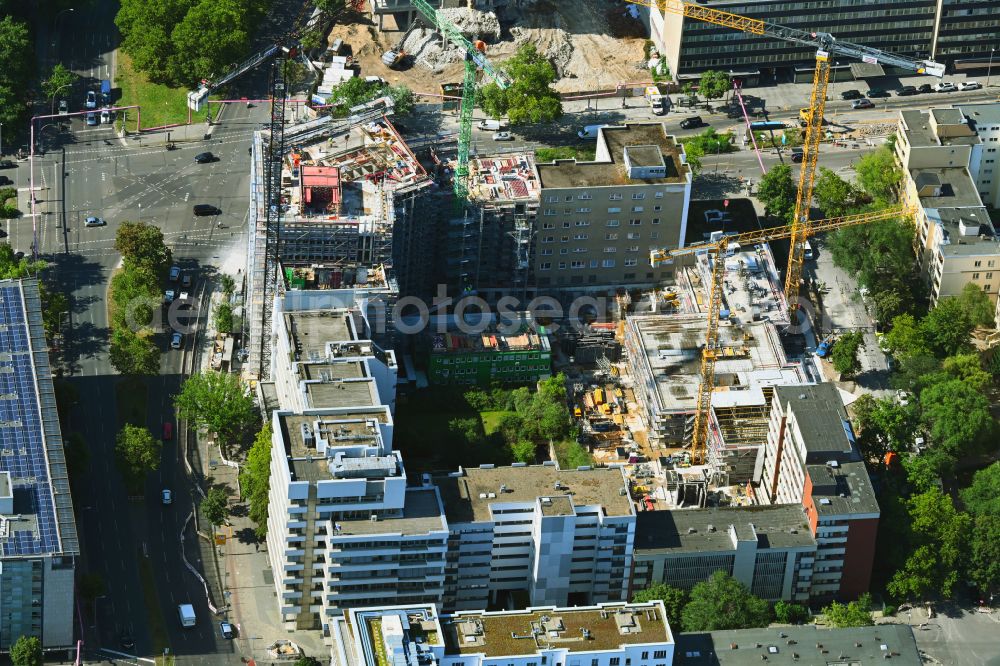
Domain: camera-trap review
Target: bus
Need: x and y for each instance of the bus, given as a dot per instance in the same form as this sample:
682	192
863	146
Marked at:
765	125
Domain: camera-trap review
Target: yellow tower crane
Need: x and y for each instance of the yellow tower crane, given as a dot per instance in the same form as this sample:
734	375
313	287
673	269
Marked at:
826	45
699	438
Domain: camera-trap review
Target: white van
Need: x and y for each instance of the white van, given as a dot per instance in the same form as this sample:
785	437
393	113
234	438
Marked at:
187	616
807	250
491	125
590	131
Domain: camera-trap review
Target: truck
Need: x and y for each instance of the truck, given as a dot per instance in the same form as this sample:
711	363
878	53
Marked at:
105	92
657	100
186	614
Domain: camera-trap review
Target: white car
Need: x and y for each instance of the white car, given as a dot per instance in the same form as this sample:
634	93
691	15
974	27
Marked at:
94	222
107	117
91	101
946	86
970	85
166	496
63	107
503	136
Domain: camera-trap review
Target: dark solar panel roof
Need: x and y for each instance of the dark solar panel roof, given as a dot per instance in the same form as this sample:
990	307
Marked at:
22	447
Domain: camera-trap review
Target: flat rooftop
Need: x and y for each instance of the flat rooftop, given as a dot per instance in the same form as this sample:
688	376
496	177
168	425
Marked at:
673	346
685	531
307	463
954	184
956	222
31	449
570	173
311	330
798	646
821	419
526	632
981	114
422	513
842	490
921	133
467	498
450	343
351	393
330	370
503	178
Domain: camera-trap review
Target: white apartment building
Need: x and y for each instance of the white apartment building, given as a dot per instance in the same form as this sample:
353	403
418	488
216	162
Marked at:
600	635
538	534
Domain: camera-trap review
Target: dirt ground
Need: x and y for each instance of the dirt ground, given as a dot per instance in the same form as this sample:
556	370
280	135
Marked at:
575	35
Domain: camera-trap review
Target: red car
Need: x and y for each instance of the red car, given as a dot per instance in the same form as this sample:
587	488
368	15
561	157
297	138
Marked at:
168	431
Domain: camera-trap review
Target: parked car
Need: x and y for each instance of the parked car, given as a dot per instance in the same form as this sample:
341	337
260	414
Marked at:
970	85
692	122
106	116
7	164
863	103
175	273
206	209
176	341
126	640
94	222
946	86
715	215
851	94
877	92
905	91
503	136
186	280
166	496
91	101
925	88
205	158
63	107
797	154
228	631
92	118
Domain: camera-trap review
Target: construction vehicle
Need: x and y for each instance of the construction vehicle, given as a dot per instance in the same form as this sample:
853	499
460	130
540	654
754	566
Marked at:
395	56
718	247
827	47
804	115
657	100
824	347
475	62
598	396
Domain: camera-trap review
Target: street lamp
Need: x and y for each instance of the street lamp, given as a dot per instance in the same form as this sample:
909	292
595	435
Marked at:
989	70
55	22
52	104
1	139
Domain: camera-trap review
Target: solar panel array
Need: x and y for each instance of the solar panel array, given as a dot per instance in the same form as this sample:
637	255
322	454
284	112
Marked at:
22	448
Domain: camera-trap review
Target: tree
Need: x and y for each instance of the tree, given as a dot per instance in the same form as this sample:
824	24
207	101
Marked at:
834	195
224	317
216	505
59	79
134	353
714	84
307	661
673	598
523	451
924	470
845	352
15	42
530	98
211	34
938	537
879	175
141	244
982	496
722	602
984	551
884	425
852	614
947	328
255	479
905	338
777	192
55	304
26	651
787	612
958	417
137	450
217	401
228	284
13	269
977	304
875	253
403	99
330	6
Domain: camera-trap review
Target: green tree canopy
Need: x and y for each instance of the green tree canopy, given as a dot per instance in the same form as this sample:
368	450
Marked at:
845	352
219	402
60	79
948	327
674	599
852	614
224	317
530	99
777	192
977	304
984	551
722	602
134	353
15	45
26	651
906	338
879	175
141	244
227	283
255	479
958	417
982	496
216	505
884	424
834	195
874	252
523	451
714	84
786	612
137	450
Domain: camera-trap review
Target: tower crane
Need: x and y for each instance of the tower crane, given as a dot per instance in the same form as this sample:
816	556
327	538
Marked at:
718	247
475	61
826	45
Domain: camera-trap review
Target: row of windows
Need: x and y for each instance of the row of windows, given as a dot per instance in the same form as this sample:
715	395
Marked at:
576	265
586	196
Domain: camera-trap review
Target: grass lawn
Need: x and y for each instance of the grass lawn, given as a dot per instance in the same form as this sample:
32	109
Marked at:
491	420
160	104
572	455
157	625
581	153
130	396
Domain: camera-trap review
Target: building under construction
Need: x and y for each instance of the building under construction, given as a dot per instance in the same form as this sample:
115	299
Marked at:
344	184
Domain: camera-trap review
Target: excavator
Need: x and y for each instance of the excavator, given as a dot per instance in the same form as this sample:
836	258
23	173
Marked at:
395	57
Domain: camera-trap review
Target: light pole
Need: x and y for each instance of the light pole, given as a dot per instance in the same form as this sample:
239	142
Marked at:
55	21
1	139
989	70
140	213
52	104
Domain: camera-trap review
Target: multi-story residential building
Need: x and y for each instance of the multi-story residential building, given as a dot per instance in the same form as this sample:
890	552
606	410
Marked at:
538	532
600	635
770	549
950	31
811	459
489	357
946	163
38	539
597	221
984	120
